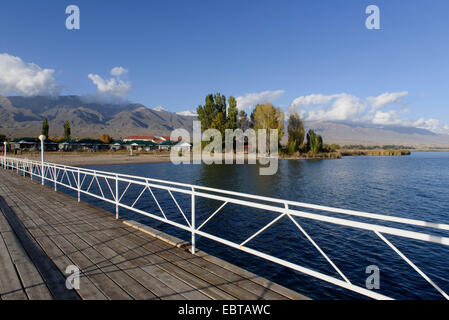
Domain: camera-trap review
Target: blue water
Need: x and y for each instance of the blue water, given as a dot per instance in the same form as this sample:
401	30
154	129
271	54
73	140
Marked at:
413	186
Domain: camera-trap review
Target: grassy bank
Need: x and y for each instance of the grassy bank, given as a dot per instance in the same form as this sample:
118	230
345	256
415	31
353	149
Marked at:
311	156
378	152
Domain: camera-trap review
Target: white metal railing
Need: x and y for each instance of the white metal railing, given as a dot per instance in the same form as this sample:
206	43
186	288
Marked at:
81	180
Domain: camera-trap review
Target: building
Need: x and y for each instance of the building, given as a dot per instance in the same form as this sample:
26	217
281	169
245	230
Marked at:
116	145
182	145
32	144
92	145
166	145
140	145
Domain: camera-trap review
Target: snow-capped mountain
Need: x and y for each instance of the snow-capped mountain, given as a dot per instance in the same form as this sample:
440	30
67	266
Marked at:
160	108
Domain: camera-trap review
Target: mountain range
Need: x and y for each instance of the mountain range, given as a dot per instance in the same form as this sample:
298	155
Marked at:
22	117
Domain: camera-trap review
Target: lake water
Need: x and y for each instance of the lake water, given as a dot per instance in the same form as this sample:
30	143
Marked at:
413	186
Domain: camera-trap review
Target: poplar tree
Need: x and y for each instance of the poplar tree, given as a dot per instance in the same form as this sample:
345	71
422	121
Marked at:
67	130
296	133
45	127
232	113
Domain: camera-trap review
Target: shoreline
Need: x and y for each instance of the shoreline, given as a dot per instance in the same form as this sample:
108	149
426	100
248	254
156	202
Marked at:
79	159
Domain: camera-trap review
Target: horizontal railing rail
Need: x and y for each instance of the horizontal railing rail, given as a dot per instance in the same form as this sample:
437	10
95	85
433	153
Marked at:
81	181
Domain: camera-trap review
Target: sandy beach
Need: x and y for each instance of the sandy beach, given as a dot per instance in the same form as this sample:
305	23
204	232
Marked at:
78	159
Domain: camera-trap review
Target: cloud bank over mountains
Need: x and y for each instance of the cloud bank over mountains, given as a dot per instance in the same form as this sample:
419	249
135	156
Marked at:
385	109
114	87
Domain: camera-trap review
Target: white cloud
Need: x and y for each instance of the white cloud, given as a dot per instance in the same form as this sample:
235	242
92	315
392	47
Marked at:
188	113
312	99
114	87
344	107
385	99
118	71
17	76
336	107
386	118
252	99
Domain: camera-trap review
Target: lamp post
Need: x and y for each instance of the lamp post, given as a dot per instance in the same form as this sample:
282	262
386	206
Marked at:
42	138
5	145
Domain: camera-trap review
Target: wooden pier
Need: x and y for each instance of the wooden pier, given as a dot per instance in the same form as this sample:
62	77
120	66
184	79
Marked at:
42	232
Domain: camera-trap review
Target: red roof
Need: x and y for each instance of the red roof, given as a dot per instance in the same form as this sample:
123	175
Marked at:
140	138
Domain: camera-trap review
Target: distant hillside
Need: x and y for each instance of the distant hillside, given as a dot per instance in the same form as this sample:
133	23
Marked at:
22	116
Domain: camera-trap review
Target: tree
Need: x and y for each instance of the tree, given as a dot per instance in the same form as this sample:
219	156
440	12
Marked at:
266	116
214	105
291	146
207	112
296	133
242	120
220	103
219	123
314	142
106	138
232	113
67	130
2	137
45	127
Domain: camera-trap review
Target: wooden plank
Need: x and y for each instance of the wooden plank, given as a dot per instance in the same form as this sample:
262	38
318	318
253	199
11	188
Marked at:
128	258
205	275
53	278
227	275
10	286
290	294
87	288
75	254
134	288
152	258
31	280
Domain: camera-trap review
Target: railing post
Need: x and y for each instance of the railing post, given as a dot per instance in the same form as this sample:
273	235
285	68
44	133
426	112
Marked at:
54	177
116	196
5	146
193	221
79	185
42	138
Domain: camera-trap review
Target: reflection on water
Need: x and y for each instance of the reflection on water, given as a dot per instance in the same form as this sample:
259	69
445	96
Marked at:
415	186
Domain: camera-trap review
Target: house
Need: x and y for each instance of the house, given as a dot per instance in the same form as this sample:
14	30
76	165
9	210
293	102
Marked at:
140	145
166	145
68	145
92	145
116	145
182	145
26	144
33	144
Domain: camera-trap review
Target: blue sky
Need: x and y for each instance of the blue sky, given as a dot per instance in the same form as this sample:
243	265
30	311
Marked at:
176	52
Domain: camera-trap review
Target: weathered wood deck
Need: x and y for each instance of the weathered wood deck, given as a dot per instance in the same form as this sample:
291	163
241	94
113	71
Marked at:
42	232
